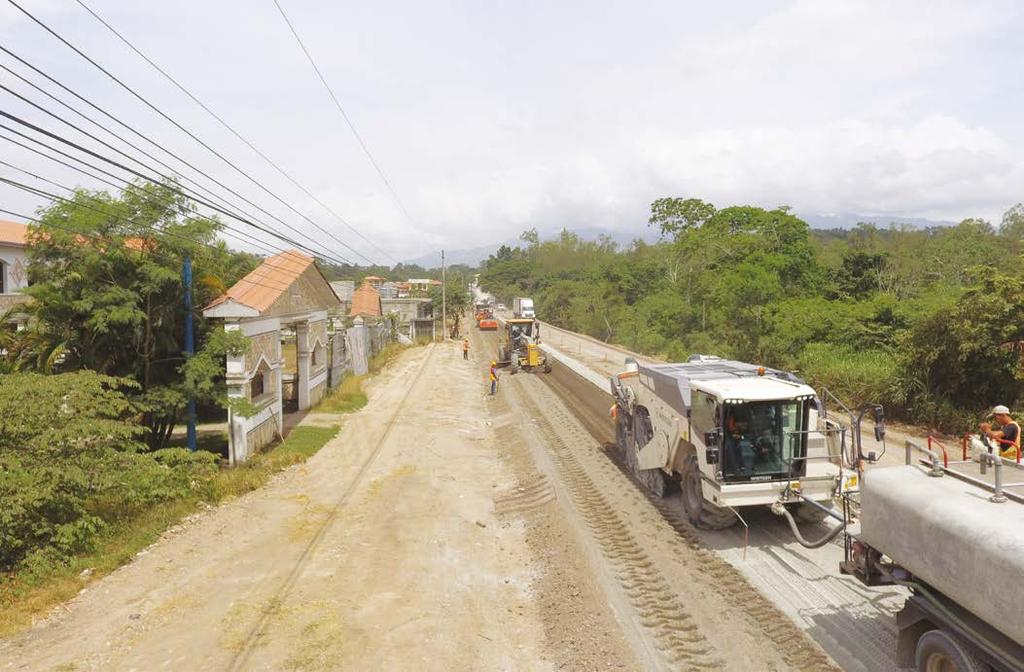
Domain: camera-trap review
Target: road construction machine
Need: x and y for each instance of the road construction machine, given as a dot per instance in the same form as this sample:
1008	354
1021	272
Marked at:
484	316
731	434
519	345
952	533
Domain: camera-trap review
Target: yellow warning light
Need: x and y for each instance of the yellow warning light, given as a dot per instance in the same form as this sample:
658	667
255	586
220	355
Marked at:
760	370
614	411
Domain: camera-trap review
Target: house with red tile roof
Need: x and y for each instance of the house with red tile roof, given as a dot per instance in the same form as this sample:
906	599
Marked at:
13	268
366	302
286	292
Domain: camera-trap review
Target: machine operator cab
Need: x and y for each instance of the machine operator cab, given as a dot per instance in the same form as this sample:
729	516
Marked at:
755	428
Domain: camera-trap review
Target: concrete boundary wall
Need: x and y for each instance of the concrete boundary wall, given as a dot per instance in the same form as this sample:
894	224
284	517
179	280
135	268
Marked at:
579	368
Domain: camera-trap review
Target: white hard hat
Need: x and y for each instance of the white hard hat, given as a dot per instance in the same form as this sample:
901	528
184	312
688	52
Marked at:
1000	410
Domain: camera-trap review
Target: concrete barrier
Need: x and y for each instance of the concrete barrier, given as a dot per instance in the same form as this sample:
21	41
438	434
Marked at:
577	367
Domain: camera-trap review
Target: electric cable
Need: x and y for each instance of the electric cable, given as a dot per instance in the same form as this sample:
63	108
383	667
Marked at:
93	137
344	115
174	188
153	107
166	203
231	129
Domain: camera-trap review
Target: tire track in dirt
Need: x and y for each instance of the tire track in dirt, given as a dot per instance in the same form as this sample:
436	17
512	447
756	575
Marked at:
676	633
757	613
244	653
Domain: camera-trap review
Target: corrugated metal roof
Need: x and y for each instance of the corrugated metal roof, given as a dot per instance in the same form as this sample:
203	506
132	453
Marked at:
268	281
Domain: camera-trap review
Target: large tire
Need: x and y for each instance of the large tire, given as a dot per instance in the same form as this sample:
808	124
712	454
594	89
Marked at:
702	513
937	651
653	480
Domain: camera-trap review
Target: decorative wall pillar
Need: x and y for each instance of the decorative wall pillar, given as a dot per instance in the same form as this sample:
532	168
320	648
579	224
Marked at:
302	360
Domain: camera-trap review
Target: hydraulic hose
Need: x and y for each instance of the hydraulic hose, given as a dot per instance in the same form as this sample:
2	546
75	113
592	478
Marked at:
780	510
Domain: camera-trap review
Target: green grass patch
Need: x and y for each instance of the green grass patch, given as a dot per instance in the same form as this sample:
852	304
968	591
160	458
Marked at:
346	398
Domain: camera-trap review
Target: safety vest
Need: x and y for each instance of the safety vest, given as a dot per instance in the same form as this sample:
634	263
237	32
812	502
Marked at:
1011	451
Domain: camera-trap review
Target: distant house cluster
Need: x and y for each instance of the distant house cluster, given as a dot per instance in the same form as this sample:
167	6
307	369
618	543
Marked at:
378	297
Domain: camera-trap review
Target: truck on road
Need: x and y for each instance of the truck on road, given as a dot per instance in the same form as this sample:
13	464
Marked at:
523	307
731	434
952	536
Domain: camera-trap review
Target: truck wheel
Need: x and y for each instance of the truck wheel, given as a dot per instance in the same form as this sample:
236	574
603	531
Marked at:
937	651
702	513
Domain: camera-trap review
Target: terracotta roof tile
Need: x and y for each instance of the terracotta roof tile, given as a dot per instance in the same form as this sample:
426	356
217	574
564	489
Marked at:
12	233
268	281
365	301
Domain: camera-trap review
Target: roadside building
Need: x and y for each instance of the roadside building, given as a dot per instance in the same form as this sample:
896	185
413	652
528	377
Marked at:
407	310
344	290
287	291
421	286
13	271
374	281
366	302
388	290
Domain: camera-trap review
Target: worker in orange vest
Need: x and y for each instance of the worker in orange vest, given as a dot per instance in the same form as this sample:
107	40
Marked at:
494	377
465	348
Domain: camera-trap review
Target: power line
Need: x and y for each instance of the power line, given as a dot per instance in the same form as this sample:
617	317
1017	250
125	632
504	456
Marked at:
236	233
231	129
153	107
173	188
344	115
155	144
95	123
165	202
84	234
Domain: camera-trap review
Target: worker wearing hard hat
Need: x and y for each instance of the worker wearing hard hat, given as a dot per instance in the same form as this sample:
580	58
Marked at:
1008	434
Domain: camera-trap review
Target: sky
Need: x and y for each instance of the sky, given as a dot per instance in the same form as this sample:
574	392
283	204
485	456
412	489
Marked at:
492	118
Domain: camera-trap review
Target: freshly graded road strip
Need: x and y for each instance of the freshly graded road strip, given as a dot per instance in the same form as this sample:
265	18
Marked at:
854	624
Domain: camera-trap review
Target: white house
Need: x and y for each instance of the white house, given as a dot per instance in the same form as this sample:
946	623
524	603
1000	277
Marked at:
13	267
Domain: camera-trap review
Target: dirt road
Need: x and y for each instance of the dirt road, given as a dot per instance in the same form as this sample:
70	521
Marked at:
408	542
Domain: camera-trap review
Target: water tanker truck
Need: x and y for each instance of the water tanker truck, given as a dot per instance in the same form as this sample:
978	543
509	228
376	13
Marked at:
731	434
953	534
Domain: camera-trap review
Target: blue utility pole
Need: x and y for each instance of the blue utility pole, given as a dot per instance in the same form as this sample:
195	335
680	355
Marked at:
190	348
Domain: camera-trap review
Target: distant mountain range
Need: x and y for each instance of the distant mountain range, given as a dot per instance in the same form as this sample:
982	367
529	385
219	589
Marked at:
474	255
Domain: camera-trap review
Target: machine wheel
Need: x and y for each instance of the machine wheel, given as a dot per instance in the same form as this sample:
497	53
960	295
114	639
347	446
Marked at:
654	480
937	651
702	513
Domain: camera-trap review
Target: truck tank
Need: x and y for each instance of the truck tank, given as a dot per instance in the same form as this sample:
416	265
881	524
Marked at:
947	533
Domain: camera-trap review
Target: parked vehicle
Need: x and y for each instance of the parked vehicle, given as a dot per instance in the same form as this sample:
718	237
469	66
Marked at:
523	307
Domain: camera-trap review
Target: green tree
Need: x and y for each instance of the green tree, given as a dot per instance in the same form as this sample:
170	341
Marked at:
105	279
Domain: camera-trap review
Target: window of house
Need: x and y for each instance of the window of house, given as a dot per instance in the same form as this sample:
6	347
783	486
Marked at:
3	278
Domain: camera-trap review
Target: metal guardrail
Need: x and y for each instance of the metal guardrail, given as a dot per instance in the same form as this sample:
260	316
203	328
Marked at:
986	460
